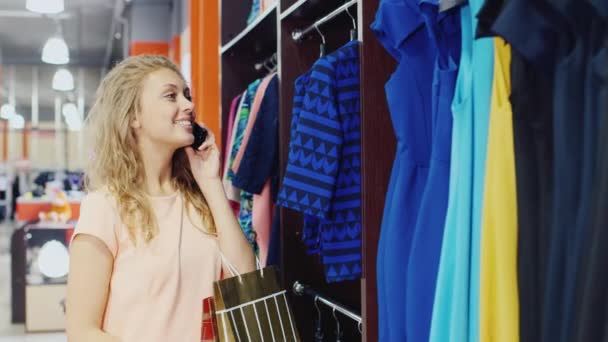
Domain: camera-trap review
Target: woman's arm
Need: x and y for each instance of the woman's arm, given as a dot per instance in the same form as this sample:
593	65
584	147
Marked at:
231	238
88	282
205	165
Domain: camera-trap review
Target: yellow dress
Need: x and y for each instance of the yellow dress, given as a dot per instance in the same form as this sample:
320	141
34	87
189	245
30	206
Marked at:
499	311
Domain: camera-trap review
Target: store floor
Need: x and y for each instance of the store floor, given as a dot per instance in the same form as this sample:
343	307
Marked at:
14	332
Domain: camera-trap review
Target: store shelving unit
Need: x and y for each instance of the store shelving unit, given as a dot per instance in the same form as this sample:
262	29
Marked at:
242	47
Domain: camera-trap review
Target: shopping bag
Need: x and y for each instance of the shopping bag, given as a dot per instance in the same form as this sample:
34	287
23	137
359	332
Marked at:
208	327
252	307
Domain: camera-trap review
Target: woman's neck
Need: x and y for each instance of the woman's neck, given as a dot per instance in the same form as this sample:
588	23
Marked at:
157	170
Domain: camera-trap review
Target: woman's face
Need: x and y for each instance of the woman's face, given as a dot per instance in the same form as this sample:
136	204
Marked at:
166	110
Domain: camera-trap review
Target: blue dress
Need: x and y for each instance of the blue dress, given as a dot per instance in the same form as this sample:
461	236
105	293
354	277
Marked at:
400	27
456	308
444	31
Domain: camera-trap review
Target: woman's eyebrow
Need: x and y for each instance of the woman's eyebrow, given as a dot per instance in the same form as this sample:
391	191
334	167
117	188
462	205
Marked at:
170	85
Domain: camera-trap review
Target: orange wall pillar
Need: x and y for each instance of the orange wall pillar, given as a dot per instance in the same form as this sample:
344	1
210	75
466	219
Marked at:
175	51
204	46
153	48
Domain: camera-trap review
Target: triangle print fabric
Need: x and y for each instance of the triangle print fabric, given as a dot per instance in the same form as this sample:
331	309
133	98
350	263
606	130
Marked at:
323	176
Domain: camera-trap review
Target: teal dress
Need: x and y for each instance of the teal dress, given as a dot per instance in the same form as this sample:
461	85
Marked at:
456	306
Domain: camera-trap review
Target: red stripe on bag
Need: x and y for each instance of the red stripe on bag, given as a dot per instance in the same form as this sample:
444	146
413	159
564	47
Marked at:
207	333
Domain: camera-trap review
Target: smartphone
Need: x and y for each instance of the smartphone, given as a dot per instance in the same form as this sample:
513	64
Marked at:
200	135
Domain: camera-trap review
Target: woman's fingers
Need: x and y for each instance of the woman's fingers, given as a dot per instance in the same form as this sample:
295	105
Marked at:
210	141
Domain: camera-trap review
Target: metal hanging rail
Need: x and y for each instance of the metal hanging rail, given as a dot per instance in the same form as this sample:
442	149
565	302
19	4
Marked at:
301	289
297	35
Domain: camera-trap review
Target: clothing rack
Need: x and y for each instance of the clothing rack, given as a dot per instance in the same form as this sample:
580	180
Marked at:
272	60
302	289
297	35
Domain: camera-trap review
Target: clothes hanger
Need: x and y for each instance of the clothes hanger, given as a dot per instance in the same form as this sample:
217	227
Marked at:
353	31
322	47
319	324
338	328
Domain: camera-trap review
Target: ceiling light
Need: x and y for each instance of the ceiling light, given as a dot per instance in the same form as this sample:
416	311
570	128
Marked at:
63	80
16	122
45	6
55	51
7	111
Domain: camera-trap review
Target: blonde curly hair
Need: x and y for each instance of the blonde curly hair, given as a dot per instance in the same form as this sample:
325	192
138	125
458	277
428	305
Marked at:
115	162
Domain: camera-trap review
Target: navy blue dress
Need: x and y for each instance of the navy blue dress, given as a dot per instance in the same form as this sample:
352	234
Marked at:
527	26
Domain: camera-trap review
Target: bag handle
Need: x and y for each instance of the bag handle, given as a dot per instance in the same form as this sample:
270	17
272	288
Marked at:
234	271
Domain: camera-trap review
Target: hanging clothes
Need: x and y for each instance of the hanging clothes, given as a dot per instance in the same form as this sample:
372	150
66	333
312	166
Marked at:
530	30
232	193
499	311
246	198
578	238
499	314
569	104
255	11
456	309
228	188
274	248
258	159
257	170
591	317
323	175
592	296
234	104
255	109
246	213
444	34
310	228
400	28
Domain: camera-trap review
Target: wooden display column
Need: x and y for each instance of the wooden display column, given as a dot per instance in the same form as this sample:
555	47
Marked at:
242	46
377	156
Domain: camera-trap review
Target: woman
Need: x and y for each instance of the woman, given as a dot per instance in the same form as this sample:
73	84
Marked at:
146	249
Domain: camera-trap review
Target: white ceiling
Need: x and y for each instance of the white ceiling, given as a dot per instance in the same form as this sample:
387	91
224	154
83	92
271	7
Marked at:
85	26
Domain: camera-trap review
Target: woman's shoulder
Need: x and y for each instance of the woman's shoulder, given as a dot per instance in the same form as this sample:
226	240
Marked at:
100	198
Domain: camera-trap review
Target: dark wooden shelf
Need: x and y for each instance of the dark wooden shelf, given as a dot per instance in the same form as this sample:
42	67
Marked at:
261	30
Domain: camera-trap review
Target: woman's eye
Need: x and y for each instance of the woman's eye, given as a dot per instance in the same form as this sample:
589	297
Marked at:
171	96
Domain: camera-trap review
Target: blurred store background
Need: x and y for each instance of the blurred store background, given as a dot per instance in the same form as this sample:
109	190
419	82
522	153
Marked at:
53	54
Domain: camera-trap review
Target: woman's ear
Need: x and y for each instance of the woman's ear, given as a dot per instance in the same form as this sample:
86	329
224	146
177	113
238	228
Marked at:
135	122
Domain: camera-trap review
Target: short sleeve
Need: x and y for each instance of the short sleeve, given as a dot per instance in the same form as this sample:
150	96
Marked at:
529	28
395	21
98	218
